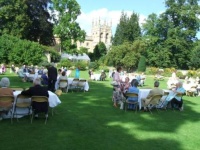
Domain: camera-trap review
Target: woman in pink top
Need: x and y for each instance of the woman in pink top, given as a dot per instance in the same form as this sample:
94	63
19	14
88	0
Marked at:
117	94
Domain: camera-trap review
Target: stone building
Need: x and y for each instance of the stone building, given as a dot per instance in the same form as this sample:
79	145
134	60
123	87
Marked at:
99	33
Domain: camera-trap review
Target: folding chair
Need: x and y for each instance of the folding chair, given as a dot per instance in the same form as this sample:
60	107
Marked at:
40	100
6	104
135	103
17	89
74	84
81	84
63	85
22	101
154	102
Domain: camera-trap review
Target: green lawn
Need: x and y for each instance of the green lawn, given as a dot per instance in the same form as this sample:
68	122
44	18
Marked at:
88	121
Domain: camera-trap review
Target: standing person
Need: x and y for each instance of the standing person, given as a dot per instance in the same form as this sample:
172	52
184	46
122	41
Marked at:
77	73
52	77
117	93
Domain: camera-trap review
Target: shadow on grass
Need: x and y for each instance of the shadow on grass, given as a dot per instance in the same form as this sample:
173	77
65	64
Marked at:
89	121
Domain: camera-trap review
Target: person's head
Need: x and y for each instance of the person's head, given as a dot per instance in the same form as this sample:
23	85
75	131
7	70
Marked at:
156	84
134	83
5	82
45	71
127	79
59	70
37	81
63	73
179	84
119	69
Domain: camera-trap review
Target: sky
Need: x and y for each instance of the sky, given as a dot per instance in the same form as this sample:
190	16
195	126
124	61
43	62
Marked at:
110	10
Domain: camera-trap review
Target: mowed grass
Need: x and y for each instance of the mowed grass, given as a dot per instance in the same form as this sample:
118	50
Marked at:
88	121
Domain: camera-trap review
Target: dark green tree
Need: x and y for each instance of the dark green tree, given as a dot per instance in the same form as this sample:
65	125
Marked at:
14	19
128	29
41	29
27	19
142	64
171	36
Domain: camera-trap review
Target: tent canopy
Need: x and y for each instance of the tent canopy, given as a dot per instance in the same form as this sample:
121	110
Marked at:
75	57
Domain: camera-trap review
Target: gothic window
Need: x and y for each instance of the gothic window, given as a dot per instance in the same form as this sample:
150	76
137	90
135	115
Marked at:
101	36
106	37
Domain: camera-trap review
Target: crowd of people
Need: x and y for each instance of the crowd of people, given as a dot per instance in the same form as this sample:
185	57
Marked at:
120	88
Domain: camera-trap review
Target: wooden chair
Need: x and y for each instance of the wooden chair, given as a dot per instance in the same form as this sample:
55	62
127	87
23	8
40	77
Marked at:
81	84
154	102
39	99
63	85
73	85
135	103
17	89
6	104
22	101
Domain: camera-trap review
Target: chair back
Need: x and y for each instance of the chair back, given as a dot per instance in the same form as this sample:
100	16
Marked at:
155	99
132	95
39	99
63	83
6	102
75	82
23	100
81	83
17	89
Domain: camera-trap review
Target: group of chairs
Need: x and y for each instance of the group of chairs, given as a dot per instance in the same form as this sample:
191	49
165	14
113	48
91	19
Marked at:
9	105
76	85
156	102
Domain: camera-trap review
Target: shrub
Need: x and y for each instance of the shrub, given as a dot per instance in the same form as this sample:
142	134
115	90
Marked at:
82	65
65	63
152	70
142	64
192	73
94	65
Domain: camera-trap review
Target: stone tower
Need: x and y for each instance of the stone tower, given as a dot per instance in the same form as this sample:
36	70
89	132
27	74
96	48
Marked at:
99	33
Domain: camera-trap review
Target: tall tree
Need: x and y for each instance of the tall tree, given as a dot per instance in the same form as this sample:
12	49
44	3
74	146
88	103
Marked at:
66	27
41	29
27	19
13	18
173	34
128	29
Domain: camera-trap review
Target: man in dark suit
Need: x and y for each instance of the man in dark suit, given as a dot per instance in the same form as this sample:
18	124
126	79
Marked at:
38	90
52	77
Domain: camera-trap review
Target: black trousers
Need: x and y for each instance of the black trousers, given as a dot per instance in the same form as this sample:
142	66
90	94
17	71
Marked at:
175	101
51	85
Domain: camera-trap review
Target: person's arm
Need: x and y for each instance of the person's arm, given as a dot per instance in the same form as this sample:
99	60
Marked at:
27	92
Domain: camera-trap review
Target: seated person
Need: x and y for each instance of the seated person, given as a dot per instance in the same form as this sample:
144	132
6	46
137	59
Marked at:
178	99
133	89
155	91
38	90
125	86
103	76
5	91
62	77
13	68
44	78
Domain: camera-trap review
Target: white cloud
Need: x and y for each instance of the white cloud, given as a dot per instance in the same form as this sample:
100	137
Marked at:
85	19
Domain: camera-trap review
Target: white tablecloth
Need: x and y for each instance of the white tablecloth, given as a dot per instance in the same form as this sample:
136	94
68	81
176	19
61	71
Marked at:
86	88
53	102
143	93
95	76
31	77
